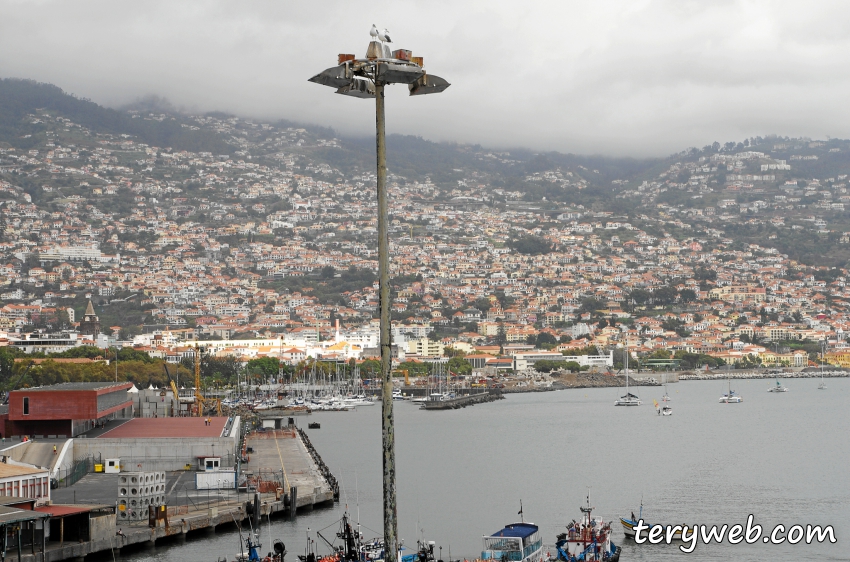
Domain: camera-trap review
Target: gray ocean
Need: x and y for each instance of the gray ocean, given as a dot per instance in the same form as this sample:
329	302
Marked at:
785	458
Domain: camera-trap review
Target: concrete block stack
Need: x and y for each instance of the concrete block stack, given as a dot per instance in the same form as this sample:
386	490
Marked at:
137	491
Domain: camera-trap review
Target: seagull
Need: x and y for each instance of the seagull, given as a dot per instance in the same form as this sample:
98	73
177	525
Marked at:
385	36
373	32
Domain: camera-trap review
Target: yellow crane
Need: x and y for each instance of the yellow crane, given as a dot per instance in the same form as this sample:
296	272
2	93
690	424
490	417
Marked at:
173	387
200	401
406	376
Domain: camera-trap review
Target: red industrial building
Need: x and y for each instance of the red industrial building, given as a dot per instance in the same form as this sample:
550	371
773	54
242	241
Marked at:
67	409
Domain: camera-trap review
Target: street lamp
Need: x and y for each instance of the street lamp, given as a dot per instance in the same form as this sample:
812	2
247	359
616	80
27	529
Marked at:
366	78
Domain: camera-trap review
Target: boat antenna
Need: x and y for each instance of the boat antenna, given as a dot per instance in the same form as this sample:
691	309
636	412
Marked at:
521	517
357	500
640	513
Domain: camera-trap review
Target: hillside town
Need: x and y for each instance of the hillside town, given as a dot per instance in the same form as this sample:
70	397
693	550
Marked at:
270	251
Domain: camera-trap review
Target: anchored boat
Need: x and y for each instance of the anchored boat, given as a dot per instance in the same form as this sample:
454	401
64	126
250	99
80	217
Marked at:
627	399
778	387
730	397
630	524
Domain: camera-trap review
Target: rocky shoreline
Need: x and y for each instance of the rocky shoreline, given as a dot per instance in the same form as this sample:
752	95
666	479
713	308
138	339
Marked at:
596	380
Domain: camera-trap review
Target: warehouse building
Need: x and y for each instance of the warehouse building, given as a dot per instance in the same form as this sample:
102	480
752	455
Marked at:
65	410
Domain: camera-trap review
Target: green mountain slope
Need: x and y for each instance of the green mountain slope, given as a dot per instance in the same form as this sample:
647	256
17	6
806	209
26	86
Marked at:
19	98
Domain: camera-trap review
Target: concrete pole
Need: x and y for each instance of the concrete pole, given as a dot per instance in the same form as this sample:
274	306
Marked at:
388	434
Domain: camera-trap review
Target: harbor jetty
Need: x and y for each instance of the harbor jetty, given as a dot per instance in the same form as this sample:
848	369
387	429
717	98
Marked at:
462	401
265	473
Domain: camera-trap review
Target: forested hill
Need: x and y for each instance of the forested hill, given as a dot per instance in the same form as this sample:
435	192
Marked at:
19	98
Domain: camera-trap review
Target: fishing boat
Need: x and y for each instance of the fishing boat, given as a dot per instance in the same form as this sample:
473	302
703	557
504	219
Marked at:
249	552
629	525
730	397
517	542
587	540
628	399
778	387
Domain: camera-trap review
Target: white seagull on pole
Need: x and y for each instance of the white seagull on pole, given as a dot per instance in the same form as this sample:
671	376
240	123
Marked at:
373	32
385	36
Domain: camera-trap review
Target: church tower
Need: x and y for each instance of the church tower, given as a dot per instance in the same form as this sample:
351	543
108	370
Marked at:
90	326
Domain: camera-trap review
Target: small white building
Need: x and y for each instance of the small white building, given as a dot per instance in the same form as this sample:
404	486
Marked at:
24	481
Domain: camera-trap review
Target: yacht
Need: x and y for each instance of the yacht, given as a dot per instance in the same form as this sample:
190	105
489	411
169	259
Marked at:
628	399
730	397
778	387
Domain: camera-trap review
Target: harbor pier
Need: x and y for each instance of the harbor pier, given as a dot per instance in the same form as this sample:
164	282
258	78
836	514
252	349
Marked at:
462	401
283	475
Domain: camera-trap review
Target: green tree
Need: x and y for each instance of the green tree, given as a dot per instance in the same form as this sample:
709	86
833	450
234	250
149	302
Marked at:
530	245
547	365
267	366
546	339
501	334
370	368
459	366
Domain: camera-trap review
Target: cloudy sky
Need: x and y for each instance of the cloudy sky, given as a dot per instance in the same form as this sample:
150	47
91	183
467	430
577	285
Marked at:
636	78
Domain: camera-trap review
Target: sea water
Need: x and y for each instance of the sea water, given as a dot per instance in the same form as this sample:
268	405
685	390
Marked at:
782	457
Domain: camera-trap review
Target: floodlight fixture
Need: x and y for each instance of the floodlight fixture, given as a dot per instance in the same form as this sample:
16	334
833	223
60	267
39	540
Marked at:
428	84
358	88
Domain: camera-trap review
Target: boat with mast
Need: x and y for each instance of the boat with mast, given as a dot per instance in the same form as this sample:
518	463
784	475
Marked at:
516	542
730	397
778	387
628	399
629	525
588	539
666	397
822	385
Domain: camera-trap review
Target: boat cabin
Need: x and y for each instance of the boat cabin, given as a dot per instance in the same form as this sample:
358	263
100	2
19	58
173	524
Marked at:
517	542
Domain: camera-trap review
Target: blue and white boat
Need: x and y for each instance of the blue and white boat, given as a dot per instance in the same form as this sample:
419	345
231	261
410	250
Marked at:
629	525
517	542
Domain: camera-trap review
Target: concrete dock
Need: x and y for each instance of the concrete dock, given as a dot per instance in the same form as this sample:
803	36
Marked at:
284	475
462	401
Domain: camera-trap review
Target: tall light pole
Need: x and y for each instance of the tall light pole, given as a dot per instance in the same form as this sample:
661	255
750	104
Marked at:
366	78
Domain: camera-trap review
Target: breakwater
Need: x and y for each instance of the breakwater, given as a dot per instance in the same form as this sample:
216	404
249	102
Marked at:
323	468
462	401
718	375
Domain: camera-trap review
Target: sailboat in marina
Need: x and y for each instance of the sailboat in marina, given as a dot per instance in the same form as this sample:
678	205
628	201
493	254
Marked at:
730	397
628	399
